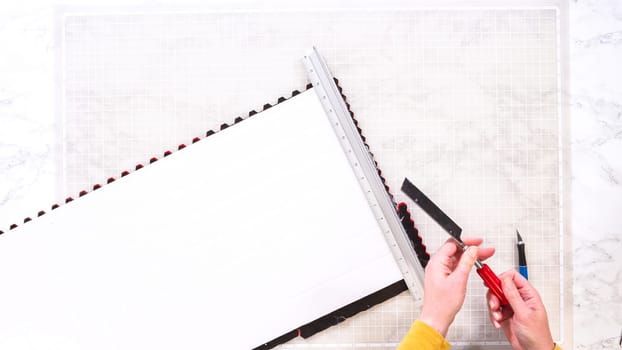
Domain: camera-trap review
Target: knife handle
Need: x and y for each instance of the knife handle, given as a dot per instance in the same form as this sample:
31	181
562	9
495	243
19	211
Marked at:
493	283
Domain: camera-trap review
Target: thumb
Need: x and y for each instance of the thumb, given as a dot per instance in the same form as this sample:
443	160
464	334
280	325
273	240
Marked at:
467	260
512	295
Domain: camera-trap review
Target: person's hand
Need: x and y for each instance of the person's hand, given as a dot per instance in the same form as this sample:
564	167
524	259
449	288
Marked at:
524	323
446	277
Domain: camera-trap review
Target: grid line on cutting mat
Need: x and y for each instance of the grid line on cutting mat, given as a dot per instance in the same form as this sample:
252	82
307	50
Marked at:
464	102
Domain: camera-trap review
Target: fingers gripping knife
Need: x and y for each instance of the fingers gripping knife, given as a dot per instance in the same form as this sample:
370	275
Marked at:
490	279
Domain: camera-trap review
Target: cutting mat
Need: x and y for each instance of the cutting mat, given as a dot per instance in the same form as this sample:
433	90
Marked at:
465	101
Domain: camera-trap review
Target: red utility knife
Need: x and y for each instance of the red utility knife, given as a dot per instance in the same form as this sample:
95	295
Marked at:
490	278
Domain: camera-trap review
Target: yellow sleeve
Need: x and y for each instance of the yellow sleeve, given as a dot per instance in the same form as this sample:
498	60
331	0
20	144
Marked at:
423	337
557	347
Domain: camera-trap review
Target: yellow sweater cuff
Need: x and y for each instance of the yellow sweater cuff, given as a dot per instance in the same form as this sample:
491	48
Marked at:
423	337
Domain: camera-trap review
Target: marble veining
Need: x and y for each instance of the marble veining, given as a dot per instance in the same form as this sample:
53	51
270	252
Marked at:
596	112
29	135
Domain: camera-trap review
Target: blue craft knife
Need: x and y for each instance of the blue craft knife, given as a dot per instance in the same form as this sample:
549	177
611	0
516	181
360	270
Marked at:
522	260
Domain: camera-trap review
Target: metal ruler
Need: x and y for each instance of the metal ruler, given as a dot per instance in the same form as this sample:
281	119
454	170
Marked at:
365	170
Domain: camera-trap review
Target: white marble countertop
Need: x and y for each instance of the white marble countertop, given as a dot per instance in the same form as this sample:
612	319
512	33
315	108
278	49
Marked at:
28	144
596	112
